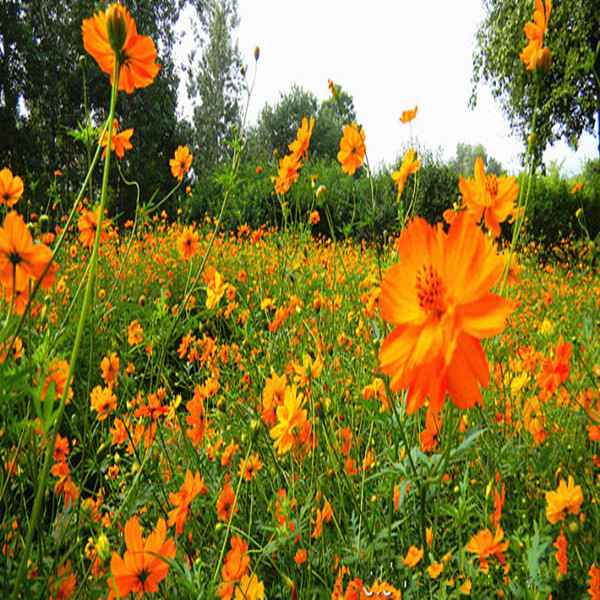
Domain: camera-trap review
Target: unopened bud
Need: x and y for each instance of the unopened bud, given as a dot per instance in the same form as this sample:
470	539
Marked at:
256	52
103	548
117	27
579	213
542	63
320	193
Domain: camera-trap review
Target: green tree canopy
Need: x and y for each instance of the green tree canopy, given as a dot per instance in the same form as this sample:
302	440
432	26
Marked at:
569	100
466	155
216	87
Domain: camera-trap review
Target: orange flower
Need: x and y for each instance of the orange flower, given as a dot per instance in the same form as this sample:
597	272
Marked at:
555	371
57	374
413	557
299	147
561	553
191	487
11	188
187	243
61	448
594	589
314	217
429	437
249	588
576	187
435	569
352	149
20	259
65	484
87	224
486	545
288	172
137	53
134	333
535	31
408	115
489	196
252	467
64	587
438	298
197	419
290	416
409	167
300	557
110	369
145	562
103	401
182	162
119	142
235	566
226	506
567	498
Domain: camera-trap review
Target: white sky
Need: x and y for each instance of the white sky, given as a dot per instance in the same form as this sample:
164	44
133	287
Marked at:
389	55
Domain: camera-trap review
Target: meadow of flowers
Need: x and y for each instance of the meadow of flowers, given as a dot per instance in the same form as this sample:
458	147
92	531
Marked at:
196	413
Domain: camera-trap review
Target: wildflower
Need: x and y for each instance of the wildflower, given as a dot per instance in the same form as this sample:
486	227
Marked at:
567	498
249	588
561	553
555	371
535	31
408	115
57	375
413	557
576	188
187	243
314	217
300	557
288	172
65	484
103	401
181	163
429	437
226	506
64	586
252	466
20	259
197	418
134	333
594	589
11	188
191	487
435	569
485	545
299	147
489	196
409	167
87	224
61	448
228	454
438	298
145	562
119	142
235	566
135	55
352	149
290	416
110	369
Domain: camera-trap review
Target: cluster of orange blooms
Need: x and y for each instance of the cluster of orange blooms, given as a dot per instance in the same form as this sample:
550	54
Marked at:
290	164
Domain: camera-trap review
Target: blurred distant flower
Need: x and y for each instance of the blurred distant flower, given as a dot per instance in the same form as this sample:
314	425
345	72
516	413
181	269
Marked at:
408	115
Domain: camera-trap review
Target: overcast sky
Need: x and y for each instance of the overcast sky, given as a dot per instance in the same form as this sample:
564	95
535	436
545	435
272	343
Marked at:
389	55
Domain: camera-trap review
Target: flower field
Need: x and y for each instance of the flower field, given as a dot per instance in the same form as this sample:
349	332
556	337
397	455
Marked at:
197	413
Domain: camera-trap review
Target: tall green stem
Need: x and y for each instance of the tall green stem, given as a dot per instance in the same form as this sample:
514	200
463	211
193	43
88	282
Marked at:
51	439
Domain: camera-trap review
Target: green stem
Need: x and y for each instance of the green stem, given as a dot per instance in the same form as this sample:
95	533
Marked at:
51	439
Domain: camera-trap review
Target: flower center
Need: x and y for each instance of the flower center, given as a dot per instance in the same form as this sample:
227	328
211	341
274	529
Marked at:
431	291
491	185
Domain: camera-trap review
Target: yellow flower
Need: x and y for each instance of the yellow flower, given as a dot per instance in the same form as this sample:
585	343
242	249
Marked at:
566	499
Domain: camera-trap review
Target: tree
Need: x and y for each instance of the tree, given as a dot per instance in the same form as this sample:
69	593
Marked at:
278	125
569	99
464	161
42	94
216	88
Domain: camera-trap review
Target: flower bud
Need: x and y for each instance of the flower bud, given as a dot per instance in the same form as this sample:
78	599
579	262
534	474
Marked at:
542	61
320	193
256	52
103	548
117	27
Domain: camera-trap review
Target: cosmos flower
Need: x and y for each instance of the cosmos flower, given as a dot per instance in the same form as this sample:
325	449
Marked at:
352	149
438	298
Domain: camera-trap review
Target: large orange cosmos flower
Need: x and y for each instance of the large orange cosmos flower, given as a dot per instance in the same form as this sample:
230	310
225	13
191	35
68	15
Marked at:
20	259
489	196
137	52
438	298
11	188
535	31
485	545
87	224
352	149
144	563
